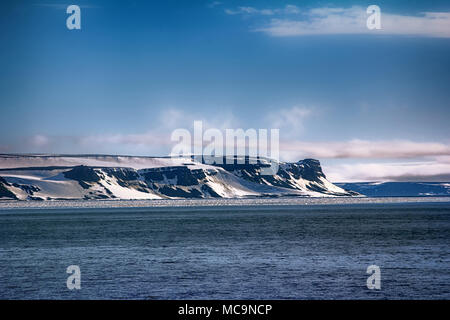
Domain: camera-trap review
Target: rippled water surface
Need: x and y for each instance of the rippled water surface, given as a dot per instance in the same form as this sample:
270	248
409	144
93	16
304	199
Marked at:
227	252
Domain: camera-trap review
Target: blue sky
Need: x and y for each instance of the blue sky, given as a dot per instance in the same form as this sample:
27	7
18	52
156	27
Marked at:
370	104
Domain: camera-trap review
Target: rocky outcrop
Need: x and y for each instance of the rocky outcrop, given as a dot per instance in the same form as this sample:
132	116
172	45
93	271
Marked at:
4	192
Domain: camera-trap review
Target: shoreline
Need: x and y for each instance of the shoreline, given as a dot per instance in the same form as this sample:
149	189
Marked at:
169	203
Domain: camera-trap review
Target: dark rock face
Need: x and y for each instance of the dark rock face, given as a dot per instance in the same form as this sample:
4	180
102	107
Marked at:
309	169
126	177
179	175
82	173
209	191
237	163
30	189
35	198
4	192
84	185
173	191
179	182
4	182
124	174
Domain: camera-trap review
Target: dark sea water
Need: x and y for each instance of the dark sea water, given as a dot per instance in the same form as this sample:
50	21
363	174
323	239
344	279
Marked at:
248	252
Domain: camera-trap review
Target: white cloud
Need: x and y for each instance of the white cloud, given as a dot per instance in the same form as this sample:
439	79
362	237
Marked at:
214	4
150	138
158	137
363	149
398	171
62	6
354	160
288	9
289	121
363	160
39	140
154	141
248	10
353	21
291	9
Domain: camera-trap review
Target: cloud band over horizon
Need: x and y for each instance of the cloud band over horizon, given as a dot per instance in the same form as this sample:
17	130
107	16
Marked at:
414	161
292	21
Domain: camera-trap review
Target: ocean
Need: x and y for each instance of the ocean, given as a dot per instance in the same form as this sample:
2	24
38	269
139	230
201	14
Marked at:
289	251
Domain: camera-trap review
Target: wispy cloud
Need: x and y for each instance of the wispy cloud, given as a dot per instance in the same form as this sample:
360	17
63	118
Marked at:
214	4
290	121
159	136
353	160
399	171
64	6
155	141
288	9
319	21
364	149
39	140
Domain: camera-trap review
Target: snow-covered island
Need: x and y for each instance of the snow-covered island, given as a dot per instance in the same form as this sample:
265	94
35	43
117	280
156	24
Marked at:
88	177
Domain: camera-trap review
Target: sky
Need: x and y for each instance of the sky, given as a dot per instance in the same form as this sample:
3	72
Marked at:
371	105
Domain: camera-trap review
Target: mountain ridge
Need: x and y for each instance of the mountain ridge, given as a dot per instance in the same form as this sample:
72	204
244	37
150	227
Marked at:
399	189
55	177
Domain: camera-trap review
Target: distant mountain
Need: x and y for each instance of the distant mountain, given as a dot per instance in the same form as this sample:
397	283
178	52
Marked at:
51	177
399	189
